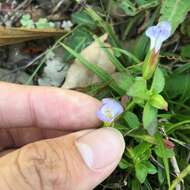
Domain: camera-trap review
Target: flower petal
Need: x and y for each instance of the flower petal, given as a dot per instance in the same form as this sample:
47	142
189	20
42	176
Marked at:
109	110
103	117
158	34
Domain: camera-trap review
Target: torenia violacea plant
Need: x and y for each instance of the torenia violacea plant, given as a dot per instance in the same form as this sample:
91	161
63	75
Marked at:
157	34
109	111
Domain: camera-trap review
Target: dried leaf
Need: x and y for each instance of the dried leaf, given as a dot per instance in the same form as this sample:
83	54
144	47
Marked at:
17	35
79	76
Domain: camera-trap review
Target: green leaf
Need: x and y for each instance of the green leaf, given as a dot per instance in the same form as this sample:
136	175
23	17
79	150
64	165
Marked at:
83	18
158	102
174	11
103	75
147	2
161	176
142	152
135	184
131	119
178	85
158	81
138	89
151	169
185	51
128	54
141	171
144	168
169	153
162	149
123	164
150	119
141	135
27	22
128	7
44	24
140	47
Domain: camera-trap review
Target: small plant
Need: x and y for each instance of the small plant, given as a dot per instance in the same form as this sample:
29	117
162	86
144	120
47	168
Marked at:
43	23
149	98
27	22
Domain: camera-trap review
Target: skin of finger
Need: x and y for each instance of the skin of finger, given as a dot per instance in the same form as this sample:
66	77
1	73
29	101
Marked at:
17	137
46	107
49	164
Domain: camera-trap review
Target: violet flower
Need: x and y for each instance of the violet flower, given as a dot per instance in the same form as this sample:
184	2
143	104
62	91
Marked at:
109	110
158	34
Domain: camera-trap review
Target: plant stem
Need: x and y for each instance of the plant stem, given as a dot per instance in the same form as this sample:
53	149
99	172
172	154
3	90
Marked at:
176	170
179	178
129	106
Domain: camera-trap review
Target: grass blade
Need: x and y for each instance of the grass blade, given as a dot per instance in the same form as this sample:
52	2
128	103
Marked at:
112	58
103	75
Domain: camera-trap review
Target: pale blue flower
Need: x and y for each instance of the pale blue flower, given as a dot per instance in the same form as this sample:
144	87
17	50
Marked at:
158	34
109	110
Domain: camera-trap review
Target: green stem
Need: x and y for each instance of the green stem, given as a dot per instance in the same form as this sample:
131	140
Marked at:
180	177
129	106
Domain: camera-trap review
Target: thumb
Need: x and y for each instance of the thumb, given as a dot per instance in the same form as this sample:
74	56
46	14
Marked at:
78	161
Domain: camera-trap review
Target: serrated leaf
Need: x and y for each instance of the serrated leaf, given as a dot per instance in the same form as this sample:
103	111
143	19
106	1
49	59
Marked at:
150	119
131	119
174	11
158	81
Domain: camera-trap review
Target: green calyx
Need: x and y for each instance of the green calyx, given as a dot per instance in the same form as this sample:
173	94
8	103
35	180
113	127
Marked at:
150	64
158	102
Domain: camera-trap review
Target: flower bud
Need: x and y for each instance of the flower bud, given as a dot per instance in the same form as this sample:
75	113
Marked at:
157	34
158	102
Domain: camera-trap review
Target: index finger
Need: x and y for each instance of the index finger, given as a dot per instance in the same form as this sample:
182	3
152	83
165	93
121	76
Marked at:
46	107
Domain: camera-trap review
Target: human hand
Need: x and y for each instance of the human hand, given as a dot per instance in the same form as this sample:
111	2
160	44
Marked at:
55	155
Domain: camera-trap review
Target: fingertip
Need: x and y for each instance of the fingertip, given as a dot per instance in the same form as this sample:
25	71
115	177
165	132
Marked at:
101	148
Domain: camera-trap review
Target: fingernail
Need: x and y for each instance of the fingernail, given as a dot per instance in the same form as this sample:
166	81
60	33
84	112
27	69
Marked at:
101	147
